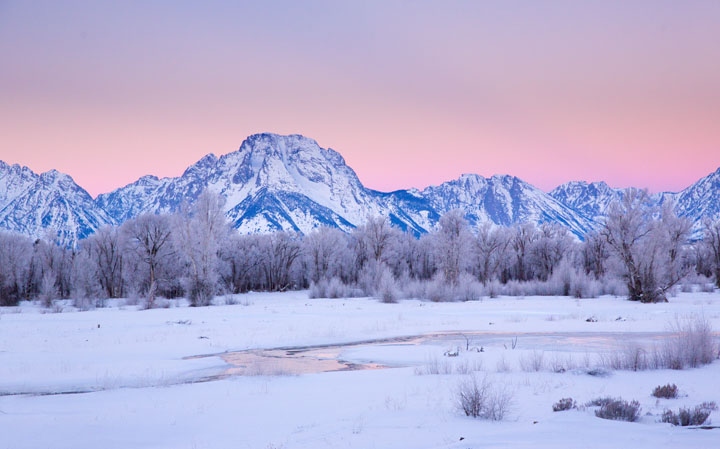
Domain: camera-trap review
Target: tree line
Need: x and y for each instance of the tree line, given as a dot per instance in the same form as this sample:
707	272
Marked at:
642	251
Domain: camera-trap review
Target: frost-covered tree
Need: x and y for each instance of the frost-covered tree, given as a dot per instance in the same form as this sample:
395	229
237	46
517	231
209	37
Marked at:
148	237
51	264
279	252
594	254
106	248
324	253
453	243
241	257
711	241
197	236
548	249
15	259
674	232
85	281
373	239
491	249
647	249
522	238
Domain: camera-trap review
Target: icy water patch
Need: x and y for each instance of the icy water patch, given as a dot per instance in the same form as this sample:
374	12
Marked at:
395	352
352	356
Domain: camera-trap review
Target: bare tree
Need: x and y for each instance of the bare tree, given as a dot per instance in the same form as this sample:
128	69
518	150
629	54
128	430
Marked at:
594	254
106	247
278	254
522	239
15	257
491	245
148	236
547	250
51	262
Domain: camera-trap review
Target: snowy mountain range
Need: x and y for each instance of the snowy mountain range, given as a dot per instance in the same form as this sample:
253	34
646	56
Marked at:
275	182
34	205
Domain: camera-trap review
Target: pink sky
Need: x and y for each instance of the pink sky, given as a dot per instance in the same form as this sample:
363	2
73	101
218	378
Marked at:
410	93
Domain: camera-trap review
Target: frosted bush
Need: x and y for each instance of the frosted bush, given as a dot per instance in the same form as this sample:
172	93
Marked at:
692	345
468	288
669	391
690	417
564	404
630	357
387	289
331	288
619	410
493	289
414	289
481	398
534	361
438	291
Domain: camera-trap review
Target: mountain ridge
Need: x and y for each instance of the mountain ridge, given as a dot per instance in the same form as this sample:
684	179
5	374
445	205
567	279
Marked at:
288	182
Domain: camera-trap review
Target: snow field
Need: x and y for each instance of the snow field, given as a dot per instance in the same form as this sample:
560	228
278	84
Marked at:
136	359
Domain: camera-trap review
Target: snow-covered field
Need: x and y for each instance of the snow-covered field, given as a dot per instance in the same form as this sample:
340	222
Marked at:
119	377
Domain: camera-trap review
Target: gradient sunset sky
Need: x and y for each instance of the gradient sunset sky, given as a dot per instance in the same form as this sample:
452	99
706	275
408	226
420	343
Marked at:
411	93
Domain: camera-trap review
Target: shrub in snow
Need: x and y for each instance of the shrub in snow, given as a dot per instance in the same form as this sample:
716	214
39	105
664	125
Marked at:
414	289
84	303
481	398
437	290
534	361
631	357
618	410
493	289
690	417
200	292
692	345
669	391
559	364
502	365
564	404
435	366
387	289
468	288
332	288
600	401
584	286
514	288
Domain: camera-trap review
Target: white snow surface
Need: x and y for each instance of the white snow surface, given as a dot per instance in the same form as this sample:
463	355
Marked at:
142	392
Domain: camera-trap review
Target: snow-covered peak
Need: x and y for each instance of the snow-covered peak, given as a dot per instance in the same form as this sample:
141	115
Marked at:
502	200
31	204
701	200
201	167
591	199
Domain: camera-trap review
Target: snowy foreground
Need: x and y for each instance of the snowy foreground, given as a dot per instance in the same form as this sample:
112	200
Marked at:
120	377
